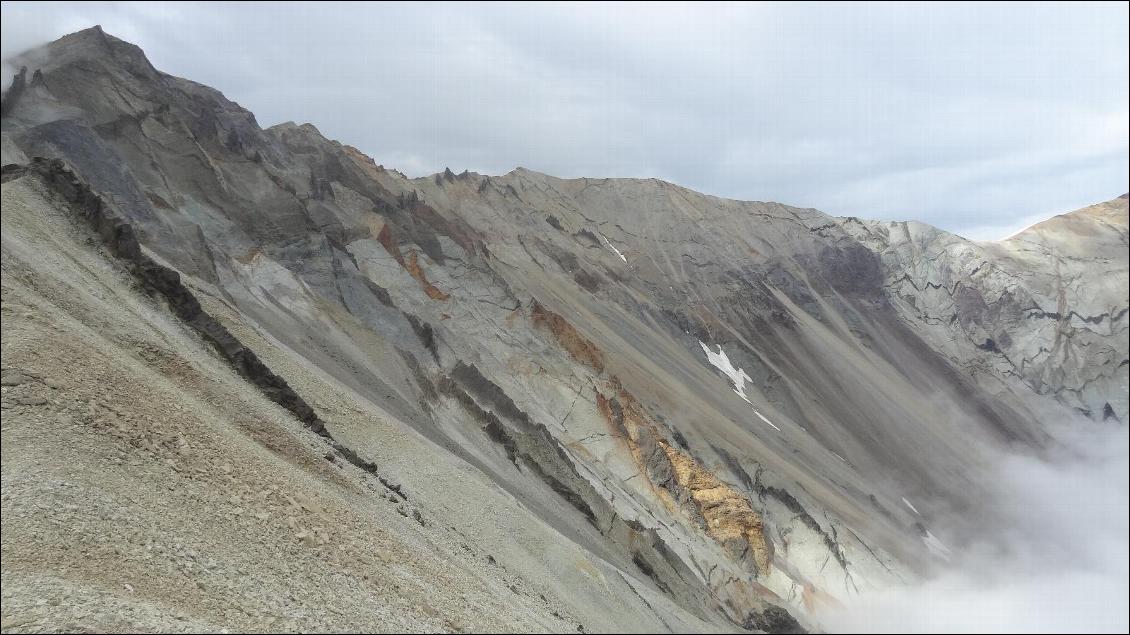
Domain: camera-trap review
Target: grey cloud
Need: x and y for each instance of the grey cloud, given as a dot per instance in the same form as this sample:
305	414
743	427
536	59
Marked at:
972	118
1053	560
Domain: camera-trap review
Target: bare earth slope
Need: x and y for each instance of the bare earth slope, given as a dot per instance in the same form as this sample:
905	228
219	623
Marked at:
547	404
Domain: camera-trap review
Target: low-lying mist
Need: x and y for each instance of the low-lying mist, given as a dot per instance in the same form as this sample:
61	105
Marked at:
1053	558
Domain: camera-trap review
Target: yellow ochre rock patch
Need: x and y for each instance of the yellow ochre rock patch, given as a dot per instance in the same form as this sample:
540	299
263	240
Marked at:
727	514
678	480
577	345
413	267
411	264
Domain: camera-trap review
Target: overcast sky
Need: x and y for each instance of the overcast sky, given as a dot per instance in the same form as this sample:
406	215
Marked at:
977	118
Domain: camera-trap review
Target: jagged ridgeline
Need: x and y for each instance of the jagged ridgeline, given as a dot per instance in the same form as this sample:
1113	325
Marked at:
602	404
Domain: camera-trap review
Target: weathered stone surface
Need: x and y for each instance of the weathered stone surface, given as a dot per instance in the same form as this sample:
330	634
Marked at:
548	336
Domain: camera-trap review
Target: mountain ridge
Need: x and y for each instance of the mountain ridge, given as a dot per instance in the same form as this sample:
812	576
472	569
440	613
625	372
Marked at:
556	338
95	35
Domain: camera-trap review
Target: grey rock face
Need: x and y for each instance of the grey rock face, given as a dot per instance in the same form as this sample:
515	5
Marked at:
739	405
1047	306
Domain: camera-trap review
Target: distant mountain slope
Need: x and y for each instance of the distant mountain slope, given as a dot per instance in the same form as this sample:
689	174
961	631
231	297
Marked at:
1047	305
731	406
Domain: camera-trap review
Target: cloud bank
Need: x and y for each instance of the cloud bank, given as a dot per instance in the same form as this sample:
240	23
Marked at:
1052	559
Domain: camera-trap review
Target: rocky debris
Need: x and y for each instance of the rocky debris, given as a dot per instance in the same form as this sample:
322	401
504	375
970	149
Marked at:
121	240
166	282
16	377
235	488
395	488
773	619
857	339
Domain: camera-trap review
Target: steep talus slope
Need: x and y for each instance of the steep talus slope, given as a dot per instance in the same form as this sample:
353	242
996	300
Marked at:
724	406
147	486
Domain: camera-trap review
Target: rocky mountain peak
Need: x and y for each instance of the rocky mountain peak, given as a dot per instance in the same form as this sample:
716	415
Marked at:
93	48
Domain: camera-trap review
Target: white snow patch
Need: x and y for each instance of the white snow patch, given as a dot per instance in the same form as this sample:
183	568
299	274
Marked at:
608	243
618	252
720	361
762	417
738	376
935	546
907	503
